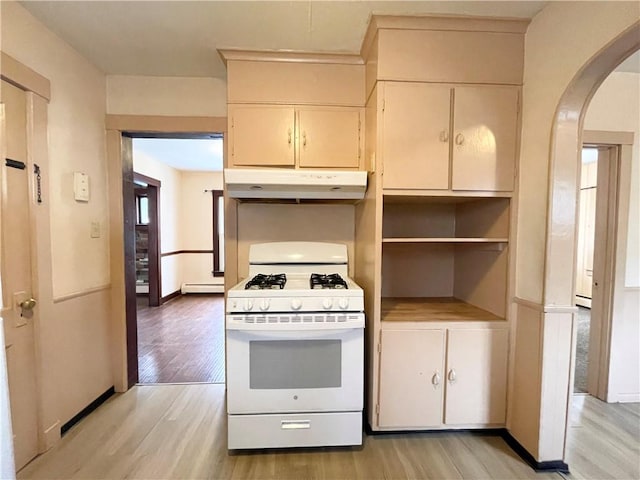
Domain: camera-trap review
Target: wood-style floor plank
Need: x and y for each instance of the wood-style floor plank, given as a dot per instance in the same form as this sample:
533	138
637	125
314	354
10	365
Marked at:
181	341
179	432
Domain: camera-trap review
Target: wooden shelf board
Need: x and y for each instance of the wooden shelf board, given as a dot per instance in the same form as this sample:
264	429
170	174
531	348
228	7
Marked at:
432	309
444	240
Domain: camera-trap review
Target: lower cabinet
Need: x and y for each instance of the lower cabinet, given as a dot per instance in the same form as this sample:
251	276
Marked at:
443	378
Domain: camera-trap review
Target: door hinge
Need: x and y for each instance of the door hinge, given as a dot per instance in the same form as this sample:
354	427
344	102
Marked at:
377	409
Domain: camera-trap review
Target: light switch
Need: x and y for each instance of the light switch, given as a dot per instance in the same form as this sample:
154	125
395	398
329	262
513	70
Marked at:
81	186
95	229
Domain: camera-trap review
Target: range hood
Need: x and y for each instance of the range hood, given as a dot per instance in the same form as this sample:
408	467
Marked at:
279	183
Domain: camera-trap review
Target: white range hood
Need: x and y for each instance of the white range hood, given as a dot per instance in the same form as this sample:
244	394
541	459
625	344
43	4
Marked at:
279	183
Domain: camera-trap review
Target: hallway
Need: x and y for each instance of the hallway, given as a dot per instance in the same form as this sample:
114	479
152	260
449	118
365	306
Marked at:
181	341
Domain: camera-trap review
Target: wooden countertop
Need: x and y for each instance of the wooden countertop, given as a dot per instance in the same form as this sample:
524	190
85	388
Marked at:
411	309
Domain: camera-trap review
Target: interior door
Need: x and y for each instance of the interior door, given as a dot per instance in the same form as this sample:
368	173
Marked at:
17	303
415	148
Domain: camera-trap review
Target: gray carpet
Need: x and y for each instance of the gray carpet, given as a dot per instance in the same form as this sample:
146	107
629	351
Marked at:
582	350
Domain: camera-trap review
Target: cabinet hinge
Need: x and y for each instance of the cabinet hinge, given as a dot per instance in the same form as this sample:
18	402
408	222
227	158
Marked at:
377	409
383	104
380	347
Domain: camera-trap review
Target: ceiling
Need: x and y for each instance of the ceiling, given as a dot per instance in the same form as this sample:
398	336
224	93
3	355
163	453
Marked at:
180	38
200	155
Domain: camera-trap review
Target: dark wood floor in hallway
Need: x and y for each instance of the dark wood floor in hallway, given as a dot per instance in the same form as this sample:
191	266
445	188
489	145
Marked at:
182	341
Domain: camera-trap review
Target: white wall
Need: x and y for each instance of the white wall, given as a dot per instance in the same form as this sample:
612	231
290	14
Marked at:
73	333
181	96
170	223
197	226
616	107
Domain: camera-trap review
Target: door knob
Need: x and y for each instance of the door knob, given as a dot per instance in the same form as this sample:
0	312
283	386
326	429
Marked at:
28	304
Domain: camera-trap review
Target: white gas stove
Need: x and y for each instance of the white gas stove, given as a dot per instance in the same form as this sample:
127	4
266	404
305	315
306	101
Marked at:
295	349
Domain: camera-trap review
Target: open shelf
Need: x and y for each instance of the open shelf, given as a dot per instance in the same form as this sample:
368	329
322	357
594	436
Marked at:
432	309
444	240
468	220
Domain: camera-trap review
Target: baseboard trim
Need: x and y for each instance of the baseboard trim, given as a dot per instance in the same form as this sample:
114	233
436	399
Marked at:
87	410
171	296
547	466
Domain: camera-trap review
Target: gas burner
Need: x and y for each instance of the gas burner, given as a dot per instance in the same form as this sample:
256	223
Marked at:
332	280
262	282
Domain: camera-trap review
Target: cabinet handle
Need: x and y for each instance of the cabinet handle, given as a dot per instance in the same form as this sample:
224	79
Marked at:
459	139
452	376
435	380
289	137
444	136
304	139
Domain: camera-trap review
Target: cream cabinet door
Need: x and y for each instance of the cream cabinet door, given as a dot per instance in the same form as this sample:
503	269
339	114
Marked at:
411	378
476	377
262	136
329	137
415	143
484	138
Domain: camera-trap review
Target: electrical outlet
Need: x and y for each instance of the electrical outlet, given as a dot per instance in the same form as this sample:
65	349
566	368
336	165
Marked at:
95	229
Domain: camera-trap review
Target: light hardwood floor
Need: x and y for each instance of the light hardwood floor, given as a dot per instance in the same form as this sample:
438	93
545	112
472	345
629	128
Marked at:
179	431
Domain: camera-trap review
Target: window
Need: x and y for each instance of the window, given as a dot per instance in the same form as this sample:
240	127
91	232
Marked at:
218	233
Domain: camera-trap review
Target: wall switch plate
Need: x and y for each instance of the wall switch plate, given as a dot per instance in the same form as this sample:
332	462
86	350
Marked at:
95	229
81	186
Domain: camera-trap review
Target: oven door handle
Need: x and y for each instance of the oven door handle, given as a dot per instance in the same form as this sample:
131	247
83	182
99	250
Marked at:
293	334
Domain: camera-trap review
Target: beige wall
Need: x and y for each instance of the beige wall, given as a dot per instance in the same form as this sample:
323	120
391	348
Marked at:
560	40
134	95
74	357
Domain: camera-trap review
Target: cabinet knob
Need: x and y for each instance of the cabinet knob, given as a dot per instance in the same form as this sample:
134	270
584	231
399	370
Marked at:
444	136
452	376
459	139
435	380
304	139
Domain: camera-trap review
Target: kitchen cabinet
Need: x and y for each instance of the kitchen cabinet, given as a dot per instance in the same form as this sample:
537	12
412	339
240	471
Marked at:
437	137
442	378
411	373
287	136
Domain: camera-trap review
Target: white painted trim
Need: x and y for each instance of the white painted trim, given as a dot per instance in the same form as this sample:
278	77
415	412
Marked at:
529	304
81	293
560	309
627	398
202	288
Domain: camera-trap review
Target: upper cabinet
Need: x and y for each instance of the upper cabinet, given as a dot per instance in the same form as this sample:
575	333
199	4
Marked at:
295	110
440	137
287	136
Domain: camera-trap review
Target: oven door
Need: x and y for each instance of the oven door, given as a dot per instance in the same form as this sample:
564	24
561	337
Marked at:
307	370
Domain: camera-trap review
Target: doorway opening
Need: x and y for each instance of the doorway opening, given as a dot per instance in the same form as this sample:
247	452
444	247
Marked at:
179	331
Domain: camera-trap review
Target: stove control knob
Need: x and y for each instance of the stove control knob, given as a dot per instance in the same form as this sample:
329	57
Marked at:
264	305
296	304
343	303
248	305
327	303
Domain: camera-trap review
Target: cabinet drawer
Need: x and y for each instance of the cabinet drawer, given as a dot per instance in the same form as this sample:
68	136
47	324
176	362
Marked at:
282	431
